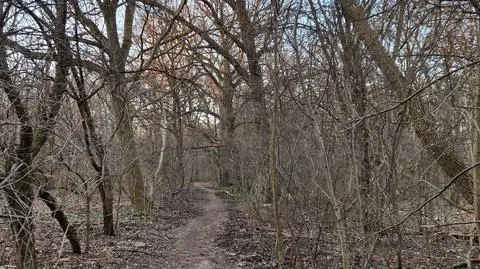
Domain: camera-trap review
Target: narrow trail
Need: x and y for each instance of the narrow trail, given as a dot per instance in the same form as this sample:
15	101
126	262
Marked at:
195	247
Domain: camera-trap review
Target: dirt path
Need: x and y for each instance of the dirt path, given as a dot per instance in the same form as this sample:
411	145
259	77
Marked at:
195	247
183	232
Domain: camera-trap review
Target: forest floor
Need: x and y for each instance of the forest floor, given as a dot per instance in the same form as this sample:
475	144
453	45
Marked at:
205	229
182	232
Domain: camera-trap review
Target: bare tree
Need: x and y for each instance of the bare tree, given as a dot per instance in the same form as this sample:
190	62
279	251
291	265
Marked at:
95	149
250	29
21	191
447	158
117	53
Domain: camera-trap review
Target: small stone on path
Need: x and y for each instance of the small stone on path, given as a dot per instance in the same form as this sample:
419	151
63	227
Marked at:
140	244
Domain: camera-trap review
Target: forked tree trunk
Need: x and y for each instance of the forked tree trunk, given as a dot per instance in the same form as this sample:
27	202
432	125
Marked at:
118	51
255	82
255	78
117	87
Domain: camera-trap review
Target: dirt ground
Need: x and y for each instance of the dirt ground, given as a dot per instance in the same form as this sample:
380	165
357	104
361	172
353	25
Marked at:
195	247
204	229
180	233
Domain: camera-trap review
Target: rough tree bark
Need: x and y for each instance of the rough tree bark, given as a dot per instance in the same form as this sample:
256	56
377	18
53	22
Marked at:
273	143
255	83
227	126
255	78
124	132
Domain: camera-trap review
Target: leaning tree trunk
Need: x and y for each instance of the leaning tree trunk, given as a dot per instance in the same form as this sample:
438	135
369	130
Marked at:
96	152
62	219
423	123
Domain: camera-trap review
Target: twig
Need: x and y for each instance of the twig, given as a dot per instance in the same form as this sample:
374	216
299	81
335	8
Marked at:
135	250
450	183
464	265
450	224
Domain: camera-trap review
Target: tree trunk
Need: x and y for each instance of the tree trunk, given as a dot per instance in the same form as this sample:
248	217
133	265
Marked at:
356	80
19	192
124	132
96	152
255	83
273	145
423	123
157	177
58	214
227	128
105	188
178	132
476	141
20	199
272	152
118	52
255	78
